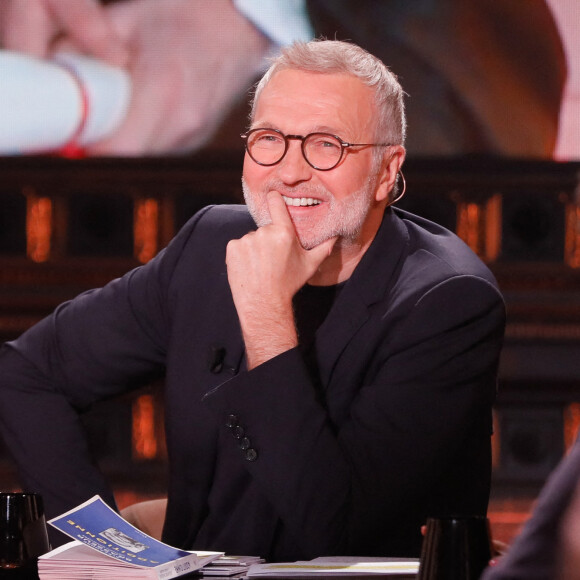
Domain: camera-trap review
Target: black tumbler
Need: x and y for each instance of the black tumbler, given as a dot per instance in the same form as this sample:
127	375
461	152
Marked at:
23	535
455	548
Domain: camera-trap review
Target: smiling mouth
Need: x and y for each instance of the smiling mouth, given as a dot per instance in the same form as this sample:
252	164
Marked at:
300	201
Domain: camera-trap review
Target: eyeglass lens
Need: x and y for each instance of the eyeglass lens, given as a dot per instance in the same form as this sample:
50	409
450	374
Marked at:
268	147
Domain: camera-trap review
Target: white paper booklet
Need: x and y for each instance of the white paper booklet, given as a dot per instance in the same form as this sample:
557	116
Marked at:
107	546
339	566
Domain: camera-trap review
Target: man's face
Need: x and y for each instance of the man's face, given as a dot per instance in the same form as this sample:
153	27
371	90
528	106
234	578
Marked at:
322	204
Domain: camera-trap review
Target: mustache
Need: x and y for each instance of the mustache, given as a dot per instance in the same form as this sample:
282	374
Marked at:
304	190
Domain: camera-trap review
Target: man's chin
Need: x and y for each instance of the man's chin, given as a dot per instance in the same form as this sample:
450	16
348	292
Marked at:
310	242
308	245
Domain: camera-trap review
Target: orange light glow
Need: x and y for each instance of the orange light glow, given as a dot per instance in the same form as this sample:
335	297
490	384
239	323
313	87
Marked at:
38	227
145	229
479	226
571	424
572	248
144	432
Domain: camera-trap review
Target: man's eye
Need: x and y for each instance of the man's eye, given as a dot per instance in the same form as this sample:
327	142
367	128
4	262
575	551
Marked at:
268	138
325	143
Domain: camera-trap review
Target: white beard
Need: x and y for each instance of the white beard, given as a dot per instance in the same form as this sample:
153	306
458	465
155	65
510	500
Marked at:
344	218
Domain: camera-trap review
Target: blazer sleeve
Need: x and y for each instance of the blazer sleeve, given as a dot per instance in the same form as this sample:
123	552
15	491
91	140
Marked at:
102	343
428	387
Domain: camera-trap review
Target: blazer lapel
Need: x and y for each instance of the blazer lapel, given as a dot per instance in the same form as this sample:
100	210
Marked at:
369	283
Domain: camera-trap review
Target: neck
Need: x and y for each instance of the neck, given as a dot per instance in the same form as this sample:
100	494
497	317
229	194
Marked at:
341	263
347	254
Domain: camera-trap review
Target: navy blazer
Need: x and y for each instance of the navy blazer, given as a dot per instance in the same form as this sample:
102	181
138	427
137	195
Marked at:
259	462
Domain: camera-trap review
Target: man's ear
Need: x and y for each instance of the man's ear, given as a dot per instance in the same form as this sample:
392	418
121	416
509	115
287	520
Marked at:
391	164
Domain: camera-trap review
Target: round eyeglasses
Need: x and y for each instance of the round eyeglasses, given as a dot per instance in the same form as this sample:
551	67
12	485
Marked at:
322	151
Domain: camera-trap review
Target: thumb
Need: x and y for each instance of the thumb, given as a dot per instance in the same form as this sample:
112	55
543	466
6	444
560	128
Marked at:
319	253
88	27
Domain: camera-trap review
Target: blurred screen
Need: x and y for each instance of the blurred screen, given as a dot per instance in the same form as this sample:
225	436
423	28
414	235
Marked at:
566	14
484	77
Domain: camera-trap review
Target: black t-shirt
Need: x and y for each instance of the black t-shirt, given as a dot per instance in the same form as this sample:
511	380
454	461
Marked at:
311	307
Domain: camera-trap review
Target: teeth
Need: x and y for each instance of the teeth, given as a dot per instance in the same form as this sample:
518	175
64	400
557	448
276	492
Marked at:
301	201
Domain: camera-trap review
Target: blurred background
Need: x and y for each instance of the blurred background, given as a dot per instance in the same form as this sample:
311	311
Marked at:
493	154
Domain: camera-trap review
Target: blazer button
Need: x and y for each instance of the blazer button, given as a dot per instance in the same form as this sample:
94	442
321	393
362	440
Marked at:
238	431
251	454
232	421
244	443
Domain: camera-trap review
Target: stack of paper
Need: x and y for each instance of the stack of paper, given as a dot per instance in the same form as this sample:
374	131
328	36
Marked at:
107	546
230	565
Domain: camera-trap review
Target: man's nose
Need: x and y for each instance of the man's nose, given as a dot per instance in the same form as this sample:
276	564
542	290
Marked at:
293	168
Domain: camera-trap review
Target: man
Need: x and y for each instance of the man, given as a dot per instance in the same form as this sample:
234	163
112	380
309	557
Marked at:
329	376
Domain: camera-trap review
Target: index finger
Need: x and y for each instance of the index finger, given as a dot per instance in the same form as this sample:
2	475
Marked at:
278	210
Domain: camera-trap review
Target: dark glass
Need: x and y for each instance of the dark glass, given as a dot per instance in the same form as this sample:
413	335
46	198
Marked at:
23	535
455	548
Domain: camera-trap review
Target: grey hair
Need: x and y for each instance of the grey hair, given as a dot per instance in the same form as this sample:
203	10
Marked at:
335	56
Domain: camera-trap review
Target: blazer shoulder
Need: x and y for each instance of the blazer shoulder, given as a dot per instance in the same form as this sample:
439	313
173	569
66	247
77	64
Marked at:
213	227
202	240
431	243
229	218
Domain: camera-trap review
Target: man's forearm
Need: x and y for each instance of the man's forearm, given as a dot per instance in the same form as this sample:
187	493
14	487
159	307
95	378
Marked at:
268	334
266	268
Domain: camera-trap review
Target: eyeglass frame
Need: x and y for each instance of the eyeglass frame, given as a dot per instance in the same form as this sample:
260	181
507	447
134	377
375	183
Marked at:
302	138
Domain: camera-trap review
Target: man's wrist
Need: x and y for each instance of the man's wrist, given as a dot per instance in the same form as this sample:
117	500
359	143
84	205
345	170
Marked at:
267	336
